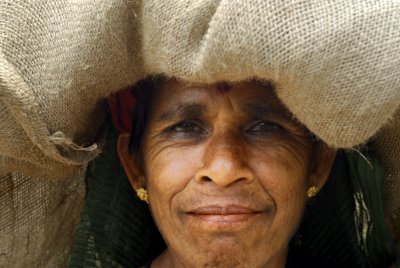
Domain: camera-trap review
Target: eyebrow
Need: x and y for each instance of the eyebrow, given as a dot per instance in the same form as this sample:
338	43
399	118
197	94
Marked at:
183	110
258	110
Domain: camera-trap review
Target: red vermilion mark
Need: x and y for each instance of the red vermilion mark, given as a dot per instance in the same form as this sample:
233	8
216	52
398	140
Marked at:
223	88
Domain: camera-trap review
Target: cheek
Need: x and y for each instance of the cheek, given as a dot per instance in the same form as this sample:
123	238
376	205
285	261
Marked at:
289	159
168	171
172	166
282	170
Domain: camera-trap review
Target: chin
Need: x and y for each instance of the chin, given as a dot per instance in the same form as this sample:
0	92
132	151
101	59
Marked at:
225	250
224	256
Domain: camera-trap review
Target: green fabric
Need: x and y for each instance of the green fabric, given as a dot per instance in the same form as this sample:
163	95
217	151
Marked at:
329	235
367	173
117	230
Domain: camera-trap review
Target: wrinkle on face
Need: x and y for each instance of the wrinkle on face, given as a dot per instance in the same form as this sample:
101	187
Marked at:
223	88
277	160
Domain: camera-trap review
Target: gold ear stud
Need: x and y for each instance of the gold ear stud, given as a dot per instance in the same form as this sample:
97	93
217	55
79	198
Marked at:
312	191
142	194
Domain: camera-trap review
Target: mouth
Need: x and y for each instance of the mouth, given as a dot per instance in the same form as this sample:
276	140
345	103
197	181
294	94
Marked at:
224	215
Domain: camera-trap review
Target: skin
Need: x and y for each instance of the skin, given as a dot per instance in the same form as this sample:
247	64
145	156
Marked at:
226	174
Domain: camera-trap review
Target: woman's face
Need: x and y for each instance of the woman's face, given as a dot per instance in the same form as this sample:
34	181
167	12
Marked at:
226	173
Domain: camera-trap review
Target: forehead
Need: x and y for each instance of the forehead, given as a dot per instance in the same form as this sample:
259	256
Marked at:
240	94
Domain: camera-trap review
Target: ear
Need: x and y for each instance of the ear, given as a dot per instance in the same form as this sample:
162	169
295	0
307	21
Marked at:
130	162
323	159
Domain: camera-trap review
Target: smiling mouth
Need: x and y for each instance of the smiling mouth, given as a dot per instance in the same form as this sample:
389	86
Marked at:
224	215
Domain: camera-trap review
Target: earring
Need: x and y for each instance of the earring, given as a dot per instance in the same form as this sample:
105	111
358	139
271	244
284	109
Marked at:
312	191
142	194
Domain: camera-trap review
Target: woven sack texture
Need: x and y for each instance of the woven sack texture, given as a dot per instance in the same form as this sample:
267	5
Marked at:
388	145
38	219
334	64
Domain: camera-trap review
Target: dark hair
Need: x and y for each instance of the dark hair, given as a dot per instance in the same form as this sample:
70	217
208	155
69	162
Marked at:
143	91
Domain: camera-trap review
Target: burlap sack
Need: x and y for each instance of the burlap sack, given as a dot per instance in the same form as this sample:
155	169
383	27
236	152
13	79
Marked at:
38	219
335	65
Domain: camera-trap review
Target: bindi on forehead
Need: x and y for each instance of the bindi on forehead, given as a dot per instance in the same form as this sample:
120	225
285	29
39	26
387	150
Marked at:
222	88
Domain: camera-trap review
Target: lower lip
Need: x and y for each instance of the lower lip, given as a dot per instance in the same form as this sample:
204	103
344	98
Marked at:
230	218
224	221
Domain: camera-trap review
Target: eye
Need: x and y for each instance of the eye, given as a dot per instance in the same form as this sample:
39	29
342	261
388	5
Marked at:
187	130
188	127
264	127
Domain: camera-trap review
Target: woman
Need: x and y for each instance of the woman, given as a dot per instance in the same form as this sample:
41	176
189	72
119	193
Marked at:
227	171
333	65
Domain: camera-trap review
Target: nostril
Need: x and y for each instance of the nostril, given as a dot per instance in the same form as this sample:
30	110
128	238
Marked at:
205	179
224	173
241	179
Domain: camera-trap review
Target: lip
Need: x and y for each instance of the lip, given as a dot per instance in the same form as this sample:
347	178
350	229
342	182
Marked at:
222	210
223	216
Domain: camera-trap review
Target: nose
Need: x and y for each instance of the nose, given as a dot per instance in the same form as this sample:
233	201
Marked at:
225	161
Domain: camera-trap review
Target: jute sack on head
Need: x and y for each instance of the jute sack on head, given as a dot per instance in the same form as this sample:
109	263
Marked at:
57	59
335	65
